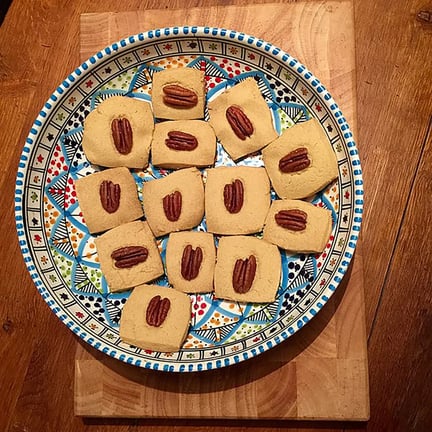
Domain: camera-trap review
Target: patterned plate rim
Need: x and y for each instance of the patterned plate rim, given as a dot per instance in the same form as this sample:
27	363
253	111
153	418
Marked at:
197	31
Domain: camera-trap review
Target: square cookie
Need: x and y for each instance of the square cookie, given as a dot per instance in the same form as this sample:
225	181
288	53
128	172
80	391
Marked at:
174	202
118	133
183	143
108	198
178	94
298	226
156	318
129	256
301	161
190	261
247	270
241	119
237	199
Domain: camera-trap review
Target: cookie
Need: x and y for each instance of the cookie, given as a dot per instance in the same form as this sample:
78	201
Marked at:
301	161
178	94
183	143
174	202
128	256
190	261
108	198
247	270
118	133
241	119
155	318
298	226
237	199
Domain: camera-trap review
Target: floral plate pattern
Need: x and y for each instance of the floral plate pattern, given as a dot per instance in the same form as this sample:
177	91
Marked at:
60	253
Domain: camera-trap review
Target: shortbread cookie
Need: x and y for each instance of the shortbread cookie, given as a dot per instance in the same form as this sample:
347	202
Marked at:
156	318
178	94
237	199
174	202
298	226
241	119
190	261
108	198
129	256
183	143
118	133
301	161
247	270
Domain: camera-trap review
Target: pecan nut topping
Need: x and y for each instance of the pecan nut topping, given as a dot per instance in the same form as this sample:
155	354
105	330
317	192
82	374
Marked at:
109	193
129	256
234	196
157	310
191	262
239	122
294	219
296	160
179	97
121	131
244	274
178	140
172	205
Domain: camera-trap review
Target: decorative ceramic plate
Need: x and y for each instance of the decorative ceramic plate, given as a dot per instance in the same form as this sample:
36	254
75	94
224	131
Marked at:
60	253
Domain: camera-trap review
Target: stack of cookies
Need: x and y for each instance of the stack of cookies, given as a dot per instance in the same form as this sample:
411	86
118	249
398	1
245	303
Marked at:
235	201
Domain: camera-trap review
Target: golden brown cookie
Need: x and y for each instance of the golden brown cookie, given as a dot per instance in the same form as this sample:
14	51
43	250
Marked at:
241	119
178	94
247	269
155	318
301	161
190	261
183	143
237	199
174	202
108	199
129	256
118	133
298	226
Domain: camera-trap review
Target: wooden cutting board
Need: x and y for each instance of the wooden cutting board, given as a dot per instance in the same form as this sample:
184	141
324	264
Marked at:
321	371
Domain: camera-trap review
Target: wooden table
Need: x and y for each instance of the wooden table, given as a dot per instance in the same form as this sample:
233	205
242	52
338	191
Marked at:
39	43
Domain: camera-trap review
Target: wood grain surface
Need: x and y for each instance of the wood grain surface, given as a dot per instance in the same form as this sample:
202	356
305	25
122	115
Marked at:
322	373
39	46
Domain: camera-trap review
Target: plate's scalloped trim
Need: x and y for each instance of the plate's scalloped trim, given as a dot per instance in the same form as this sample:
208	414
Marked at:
221	33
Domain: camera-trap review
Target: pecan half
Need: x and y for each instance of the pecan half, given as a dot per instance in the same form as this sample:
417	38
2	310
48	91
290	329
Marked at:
296	160
233	196
109	193
129	256
179	97
191	262
244	274
172	205
294	220
178	140
121	131
157	310
239	122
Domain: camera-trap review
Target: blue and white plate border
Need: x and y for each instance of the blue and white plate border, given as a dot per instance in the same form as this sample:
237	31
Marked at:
137	39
